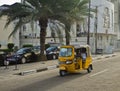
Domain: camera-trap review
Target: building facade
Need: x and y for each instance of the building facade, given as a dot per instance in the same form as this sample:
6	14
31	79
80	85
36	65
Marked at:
102	33
117	21
5	32
102	26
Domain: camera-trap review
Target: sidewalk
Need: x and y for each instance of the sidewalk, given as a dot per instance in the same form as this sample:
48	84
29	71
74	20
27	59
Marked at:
29	68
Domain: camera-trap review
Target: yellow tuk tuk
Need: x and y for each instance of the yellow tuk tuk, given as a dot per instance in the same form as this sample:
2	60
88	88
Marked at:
74	58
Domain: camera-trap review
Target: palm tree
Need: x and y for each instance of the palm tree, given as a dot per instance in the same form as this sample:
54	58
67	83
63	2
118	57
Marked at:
77	14
41	11
37	10
57	28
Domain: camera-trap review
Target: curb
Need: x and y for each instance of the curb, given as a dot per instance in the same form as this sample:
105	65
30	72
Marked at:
27	72
107	56
37	70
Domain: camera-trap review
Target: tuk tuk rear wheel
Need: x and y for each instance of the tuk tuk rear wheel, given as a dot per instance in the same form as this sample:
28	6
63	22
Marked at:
62	72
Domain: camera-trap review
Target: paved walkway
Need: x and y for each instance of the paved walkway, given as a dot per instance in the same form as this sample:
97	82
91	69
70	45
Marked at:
28	68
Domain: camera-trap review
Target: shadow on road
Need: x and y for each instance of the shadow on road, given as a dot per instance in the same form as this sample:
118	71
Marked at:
50	83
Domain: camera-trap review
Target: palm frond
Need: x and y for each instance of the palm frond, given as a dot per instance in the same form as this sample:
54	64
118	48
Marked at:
56	27
17	26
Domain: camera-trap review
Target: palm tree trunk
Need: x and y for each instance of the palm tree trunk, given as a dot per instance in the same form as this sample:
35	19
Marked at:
67	38
43	25
67	34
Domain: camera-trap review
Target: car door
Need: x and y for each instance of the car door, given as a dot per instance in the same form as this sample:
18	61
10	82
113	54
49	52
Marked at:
28	53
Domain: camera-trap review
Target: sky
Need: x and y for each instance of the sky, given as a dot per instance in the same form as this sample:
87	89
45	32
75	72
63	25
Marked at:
8	2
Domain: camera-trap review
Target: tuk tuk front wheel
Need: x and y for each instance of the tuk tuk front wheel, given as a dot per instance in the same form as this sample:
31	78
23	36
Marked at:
89	69
62	72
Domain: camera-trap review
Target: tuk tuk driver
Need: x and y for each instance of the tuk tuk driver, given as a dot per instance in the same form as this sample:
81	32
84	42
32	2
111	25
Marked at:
83	55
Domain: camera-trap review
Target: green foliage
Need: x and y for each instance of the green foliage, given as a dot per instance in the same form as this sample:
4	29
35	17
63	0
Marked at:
27	45
10	45
6	50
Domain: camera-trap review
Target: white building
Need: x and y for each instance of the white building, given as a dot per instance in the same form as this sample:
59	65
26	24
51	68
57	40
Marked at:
5	32
102	34
102	25
29	36
117	22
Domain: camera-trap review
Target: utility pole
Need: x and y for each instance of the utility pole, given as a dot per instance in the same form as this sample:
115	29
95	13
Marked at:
88	35
96	25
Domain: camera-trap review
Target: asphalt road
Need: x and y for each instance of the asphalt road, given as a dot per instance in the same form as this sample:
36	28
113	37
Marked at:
104	77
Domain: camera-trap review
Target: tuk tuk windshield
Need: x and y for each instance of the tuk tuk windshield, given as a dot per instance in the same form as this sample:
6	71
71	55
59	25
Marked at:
65	52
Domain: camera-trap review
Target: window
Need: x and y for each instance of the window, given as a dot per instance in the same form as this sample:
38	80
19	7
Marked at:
106	18
65	52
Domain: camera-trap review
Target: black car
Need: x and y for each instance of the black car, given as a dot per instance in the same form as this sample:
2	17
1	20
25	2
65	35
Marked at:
23	55
52	52
2	57
36	49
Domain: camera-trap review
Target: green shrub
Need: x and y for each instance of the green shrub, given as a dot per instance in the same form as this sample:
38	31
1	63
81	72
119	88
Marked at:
6	50
10	45
27	45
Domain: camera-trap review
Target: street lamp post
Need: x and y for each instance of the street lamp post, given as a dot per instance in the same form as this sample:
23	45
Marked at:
88	35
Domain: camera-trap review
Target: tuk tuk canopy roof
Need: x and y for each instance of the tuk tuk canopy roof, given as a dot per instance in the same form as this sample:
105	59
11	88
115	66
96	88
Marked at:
76	46
79	47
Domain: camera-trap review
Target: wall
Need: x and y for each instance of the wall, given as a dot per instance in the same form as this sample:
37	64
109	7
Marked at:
4	33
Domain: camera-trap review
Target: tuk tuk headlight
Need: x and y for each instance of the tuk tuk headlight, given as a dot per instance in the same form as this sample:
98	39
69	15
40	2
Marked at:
68	62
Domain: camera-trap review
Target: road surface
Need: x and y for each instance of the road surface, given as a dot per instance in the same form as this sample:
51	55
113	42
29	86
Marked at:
104	77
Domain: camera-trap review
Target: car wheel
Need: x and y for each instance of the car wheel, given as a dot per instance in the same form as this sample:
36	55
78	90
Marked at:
23	60
6	63
54	57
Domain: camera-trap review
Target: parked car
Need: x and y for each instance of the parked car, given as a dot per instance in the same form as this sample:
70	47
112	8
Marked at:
23	55
36	49
2	57
52	52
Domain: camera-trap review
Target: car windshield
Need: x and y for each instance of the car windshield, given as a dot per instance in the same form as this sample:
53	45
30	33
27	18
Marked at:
23	50
65	52
36	48
51	48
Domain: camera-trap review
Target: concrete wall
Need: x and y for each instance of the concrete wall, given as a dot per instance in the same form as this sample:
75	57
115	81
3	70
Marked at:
4	33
